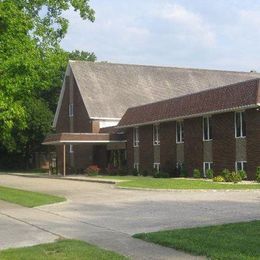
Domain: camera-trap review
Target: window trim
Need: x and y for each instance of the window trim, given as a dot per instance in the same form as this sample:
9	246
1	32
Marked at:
71	110
71	150
208	128
136	166
156	134
241	124
204	167
242	164
156	166
135	137
181	124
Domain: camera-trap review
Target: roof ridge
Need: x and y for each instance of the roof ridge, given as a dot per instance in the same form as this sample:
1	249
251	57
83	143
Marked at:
161	66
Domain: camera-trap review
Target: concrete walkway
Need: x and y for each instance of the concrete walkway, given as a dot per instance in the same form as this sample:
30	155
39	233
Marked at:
108	217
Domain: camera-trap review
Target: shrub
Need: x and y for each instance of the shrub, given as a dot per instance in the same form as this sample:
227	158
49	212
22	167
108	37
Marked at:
258	174
196	173
161	174
112	172
144	173
122	172
209	174
218	178
134	172
233	177
242	174
92	170
183	171
225	173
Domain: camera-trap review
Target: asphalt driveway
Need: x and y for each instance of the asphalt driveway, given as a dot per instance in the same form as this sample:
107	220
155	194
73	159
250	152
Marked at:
104	215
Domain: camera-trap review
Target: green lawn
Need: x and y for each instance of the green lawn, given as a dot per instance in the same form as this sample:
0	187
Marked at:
60	250
175	183
230	241
27	198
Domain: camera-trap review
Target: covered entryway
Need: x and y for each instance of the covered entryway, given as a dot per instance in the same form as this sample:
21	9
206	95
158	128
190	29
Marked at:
76	151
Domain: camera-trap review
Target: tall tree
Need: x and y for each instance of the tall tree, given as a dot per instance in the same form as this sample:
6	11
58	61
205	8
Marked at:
31	67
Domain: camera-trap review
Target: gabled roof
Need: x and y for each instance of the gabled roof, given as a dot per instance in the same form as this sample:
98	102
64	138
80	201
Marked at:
108	89
236	96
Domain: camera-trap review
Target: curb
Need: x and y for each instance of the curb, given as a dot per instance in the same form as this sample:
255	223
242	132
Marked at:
59	178
187	190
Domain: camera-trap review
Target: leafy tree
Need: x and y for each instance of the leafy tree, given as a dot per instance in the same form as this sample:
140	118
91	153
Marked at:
82	55
32	65
49	27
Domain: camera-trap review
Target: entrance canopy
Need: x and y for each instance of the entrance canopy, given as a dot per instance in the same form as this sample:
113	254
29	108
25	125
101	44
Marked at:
81	138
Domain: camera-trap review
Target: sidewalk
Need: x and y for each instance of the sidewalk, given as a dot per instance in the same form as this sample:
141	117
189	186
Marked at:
41	226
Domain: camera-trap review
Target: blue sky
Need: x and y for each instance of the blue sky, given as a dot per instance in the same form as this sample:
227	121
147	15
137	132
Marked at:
214	34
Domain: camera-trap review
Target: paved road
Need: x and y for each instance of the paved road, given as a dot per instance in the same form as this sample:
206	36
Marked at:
106	216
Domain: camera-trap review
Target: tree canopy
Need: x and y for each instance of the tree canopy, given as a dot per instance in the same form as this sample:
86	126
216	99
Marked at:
32	65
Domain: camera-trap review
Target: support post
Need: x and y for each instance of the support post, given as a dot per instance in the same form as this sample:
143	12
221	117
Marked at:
64	160
49	159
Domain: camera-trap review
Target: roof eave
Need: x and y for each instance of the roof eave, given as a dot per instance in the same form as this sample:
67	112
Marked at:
190	116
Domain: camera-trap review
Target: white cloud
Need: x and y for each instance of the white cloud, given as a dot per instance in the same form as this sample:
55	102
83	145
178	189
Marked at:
192	23
251	17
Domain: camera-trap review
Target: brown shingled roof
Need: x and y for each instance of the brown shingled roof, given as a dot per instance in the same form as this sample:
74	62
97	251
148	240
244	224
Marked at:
243	94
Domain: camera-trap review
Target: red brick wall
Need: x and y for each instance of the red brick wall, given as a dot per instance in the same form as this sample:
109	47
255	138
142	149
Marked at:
168	146
253	141
224	143
193	144
130	149
82	123
146	148
100	156
83	155
63	119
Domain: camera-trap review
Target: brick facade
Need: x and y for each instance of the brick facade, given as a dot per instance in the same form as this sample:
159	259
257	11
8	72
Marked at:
130	149
253	141
223	147
168	146
193	144
224	142
146	148
63	119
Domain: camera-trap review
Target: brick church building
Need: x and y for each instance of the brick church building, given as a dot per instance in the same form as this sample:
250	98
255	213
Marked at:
163	118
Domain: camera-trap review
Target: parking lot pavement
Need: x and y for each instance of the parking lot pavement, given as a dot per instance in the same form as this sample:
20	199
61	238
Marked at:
106	216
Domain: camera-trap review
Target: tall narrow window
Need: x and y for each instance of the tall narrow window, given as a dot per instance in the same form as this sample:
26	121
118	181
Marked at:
156	134
136	137
71	110
156	166
240	166
71	149
179	132
240	124
136	166
207	166
207	128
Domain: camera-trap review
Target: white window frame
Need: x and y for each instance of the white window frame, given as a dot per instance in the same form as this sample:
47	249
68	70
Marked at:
179	164
156	166
156	134
71	110
210	164
206	138
239	135
71	150
180	126
135	137
242	165
136	166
